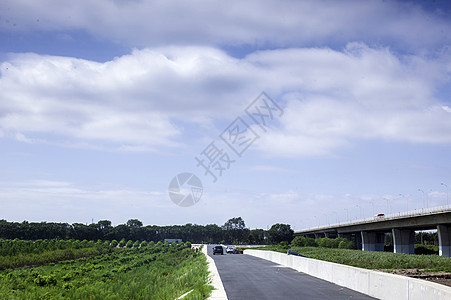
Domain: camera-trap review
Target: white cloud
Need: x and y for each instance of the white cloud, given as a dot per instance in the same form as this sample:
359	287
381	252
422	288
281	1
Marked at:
134	102
39	200
288	23
61	201
269	168
49	183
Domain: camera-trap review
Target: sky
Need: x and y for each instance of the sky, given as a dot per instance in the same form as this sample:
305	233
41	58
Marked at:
103	103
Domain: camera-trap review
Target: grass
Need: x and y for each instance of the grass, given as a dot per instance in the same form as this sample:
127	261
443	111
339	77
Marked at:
32	259
371	259
151	272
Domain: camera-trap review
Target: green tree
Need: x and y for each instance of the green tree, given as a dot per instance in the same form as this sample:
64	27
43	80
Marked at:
280	232
102	224
234	223
257	237
235	231
134	223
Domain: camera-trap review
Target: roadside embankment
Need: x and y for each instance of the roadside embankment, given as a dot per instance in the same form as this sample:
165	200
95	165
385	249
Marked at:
219	292
373	283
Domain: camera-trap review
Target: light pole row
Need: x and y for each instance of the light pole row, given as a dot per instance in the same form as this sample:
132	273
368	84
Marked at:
425	204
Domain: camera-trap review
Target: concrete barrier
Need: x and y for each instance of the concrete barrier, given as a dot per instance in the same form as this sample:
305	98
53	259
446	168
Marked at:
219	292
373	283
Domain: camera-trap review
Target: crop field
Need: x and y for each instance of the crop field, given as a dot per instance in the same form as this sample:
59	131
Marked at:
149	271
19	253
371	259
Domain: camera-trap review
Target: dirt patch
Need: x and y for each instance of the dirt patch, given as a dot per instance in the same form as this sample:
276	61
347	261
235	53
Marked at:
437	277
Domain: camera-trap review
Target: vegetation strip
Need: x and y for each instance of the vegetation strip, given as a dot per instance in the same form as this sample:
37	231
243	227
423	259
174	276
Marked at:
370	259
147	271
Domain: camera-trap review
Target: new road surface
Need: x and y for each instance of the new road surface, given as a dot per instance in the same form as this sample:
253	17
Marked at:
248	277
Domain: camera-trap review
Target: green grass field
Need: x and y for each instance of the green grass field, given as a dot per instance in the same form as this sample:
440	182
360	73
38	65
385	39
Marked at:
158	271
371	259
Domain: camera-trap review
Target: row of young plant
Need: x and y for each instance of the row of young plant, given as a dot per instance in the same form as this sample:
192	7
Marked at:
152	271
17	253
16	246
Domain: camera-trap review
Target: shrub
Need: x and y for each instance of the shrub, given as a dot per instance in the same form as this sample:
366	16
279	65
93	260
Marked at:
284	245
327	243
298	241
346	244
114	243
122	243
136	244
310	242
143	244
129	244
426	249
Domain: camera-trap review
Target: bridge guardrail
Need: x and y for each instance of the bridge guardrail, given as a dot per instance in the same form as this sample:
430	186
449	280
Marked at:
411	213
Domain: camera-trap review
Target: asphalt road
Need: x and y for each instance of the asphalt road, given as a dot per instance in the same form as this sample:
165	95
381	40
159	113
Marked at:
248	277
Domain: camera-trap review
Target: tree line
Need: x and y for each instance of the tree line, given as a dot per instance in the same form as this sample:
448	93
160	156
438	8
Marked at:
234	231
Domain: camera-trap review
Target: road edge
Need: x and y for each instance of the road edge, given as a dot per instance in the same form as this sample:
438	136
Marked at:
219	291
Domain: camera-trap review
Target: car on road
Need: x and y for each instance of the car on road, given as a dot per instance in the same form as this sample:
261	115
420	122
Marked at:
229	250
218	249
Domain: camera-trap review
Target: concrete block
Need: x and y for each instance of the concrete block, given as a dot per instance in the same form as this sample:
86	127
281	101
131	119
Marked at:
373	283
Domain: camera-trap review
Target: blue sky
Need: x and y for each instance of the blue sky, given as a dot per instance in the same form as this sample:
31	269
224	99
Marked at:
102	104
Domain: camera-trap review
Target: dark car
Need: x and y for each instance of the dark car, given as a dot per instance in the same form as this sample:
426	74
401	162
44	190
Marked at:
218	249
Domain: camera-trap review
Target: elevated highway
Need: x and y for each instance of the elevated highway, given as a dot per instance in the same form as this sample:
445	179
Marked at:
369	233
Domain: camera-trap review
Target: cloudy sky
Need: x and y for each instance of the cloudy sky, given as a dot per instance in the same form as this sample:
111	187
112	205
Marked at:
103	102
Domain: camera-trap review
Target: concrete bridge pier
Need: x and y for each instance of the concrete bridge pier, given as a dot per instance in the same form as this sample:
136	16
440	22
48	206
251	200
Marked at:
444	240
404	241
372	241
357	241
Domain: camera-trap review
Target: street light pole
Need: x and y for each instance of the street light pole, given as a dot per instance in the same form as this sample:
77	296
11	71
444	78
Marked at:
347	214
372	204
447	193
388	209
420	190
407	202
361	217
327	219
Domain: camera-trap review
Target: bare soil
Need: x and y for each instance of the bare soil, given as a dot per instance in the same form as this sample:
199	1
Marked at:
437	277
